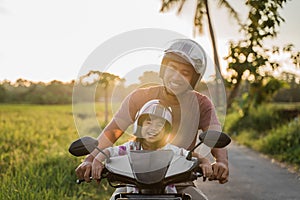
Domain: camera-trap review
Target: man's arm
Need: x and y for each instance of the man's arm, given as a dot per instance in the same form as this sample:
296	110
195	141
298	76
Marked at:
122	119
107	138
220	167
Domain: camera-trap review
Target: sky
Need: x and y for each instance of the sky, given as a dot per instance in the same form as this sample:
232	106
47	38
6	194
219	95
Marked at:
45	40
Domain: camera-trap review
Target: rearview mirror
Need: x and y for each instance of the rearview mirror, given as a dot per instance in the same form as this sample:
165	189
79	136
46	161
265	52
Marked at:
83	146
214	139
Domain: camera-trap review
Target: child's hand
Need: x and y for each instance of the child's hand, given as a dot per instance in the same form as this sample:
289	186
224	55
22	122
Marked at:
97	168
206	170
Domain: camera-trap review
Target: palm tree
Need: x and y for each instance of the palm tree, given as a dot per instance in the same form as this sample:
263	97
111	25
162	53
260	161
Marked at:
202	9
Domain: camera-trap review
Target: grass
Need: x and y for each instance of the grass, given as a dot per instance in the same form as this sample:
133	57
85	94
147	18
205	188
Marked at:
272	129
34	160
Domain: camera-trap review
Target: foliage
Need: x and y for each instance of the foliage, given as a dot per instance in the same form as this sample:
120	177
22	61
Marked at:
270	128
2	93
92	87
105	81
259	119
34	161
283	142
250	59
200	10
262	92
150	77
288	95
24	91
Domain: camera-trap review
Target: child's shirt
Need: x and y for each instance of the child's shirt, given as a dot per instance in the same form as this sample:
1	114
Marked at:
132	145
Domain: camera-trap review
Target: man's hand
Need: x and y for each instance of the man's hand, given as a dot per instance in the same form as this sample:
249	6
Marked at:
97	168
83	171
206	170
220	172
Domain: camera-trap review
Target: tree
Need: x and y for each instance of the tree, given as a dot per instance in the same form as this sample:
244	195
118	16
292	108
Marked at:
149	77
104	80
249	58
2	93
202	9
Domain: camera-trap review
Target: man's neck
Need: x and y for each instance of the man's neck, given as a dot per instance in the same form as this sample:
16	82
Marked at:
171	98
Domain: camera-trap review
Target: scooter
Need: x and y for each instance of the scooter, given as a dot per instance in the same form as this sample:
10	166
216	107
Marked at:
148	173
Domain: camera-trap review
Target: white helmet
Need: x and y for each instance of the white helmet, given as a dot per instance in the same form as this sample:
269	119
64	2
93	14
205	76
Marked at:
156	108
191	52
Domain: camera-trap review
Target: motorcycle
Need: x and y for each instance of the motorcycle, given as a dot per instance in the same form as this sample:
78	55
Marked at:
149	173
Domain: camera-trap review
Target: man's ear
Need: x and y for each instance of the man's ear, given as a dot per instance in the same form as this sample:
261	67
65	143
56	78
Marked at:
196	79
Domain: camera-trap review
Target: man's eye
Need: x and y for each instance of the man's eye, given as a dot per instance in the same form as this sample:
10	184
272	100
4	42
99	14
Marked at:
170	66
186	73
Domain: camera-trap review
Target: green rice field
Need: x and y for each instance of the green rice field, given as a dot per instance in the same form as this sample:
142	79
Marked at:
34	158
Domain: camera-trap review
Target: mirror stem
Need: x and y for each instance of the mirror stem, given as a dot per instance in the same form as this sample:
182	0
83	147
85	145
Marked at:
189	156
107	158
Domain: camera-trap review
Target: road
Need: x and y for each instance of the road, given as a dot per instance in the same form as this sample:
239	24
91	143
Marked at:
253	177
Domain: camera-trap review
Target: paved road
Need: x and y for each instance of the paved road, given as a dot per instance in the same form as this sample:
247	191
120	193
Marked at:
253	177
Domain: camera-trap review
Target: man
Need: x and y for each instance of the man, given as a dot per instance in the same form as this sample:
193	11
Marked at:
183	64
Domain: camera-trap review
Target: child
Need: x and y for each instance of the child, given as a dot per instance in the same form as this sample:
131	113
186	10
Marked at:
152	128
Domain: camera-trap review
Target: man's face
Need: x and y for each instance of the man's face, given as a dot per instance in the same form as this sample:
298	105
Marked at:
178	77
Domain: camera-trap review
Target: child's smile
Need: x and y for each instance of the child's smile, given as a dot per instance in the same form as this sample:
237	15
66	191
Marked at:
153	129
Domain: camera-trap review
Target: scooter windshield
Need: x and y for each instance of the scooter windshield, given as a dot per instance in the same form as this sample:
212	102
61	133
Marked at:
150	167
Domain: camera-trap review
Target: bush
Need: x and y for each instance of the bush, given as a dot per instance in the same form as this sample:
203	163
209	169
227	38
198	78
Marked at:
283	142
272	129
258	119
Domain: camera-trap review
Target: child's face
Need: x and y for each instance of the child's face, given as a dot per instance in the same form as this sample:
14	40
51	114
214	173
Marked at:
153	129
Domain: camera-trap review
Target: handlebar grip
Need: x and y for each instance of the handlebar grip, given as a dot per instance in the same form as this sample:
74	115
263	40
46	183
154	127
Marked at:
199	173
78	181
